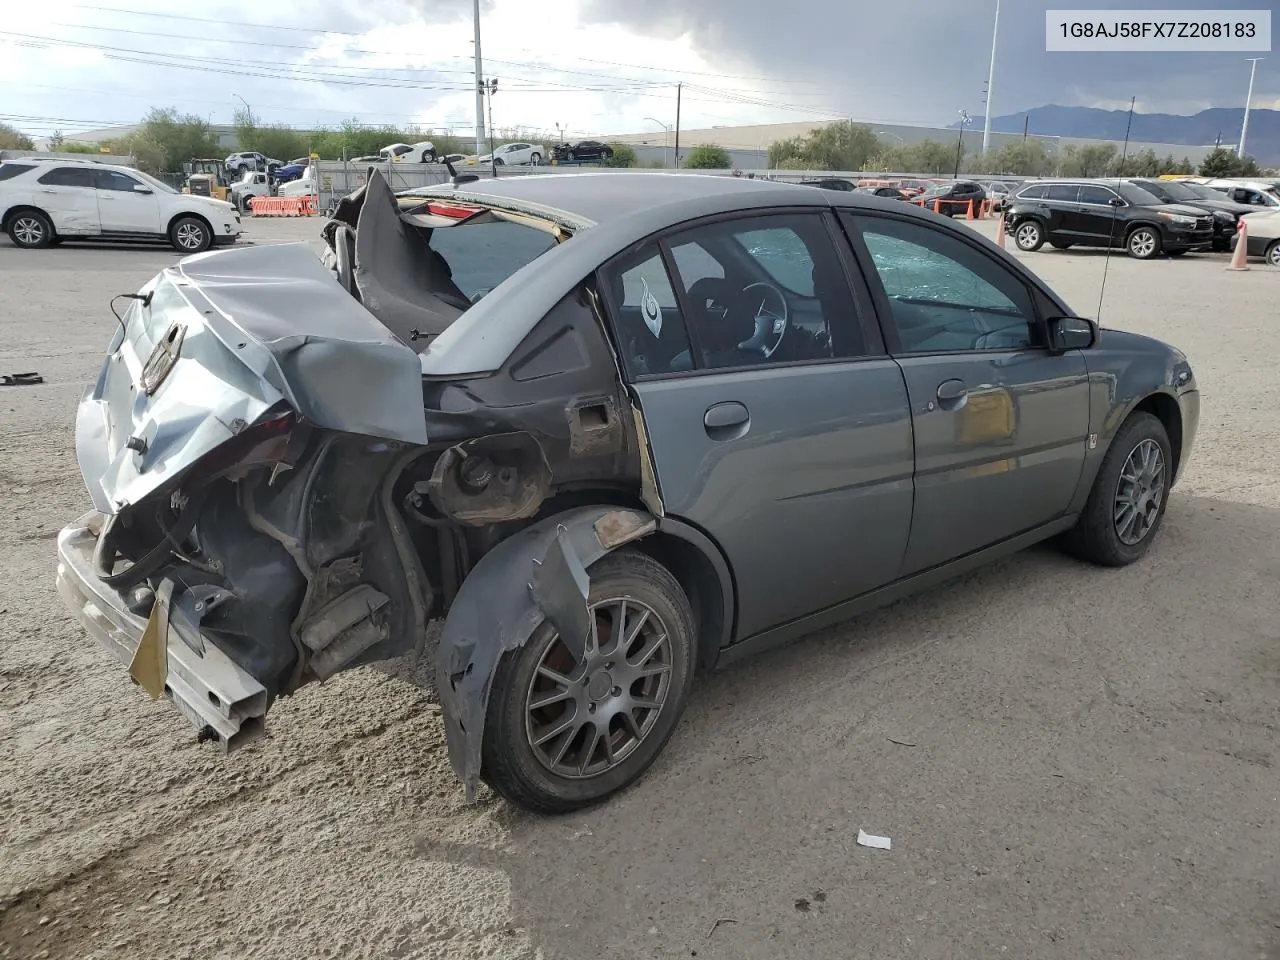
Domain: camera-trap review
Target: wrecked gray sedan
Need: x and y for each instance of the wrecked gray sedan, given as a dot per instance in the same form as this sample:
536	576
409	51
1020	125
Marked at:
611	429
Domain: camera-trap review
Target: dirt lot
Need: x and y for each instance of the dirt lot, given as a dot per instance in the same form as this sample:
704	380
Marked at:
1082	762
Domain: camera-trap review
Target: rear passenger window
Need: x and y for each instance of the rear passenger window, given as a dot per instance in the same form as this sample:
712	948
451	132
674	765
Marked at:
11	170
1066	192
1032	193
68	177
650	328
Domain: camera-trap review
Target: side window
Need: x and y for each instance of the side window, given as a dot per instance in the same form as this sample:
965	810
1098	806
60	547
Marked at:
1098	195
776	294
650	328
10	170
945	295
114	180
1032	193
1065	192
68	177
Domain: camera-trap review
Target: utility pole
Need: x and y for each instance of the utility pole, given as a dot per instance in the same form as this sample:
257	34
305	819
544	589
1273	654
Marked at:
1244	127
679	88
991	80
1026	125
965	120
479	86
488	88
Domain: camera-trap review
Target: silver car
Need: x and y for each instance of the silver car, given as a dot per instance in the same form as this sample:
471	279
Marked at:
611	430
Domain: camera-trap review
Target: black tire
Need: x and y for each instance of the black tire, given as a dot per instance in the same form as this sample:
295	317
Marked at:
1143	243
1272	253
1094	538
428	156
1059	245
510	764
190	235
499	162
535	158
30	230
1029	235
569	156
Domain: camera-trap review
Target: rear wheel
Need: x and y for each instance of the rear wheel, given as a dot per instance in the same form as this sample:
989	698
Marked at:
1272	256
561	735
1029	235
31	230
428	156
1143	243
189	235
1129	496
535	158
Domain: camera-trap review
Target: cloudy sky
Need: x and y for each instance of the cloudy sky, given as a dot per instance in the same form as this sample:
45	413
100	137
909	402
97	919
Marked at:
592	66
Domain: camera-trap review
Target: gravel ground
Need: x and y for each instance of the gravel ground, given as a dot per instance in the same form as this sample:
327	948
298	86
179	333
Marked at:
1071	762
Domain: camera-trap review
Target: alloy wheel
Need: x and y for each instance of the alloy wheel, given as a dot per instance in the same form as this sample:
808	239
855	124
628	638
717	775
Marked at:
1273	255
1142	244
190	236
28	231
583	719
1139	492
1028	234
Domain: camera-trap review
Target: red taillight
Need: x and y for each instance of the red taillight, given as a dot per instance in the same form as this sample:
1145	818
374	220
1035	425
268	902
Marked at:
453	211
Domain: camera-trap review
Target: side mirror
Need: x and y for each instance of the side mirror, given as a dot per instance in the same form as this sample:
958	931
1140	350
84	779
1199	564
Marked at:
1116	202
1071	333
141	189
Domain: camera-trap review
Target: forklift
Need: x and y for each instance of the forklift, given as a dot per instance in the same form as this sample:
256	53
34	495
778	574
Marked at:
206	178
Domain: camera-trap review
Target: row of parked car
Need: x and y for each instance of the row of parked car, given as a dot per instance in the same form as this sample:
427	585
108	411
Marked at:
951	197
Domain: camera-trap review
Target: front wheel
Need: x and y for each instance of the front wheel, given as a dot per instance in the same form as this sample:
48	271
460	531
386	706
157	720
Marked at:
1272	256
499	162
189	235
30	230
1143	244
535	158
562	735
1129	496
428	156
1029	235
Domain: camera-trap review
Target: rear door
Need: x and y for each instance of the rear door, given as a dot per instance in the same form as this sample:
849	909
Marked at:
122	207
794	455
1000	424
69	197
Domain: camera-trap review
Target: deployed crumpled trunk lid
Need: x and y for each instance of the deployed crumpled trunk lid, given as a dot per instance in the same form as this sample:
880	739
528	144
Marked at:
218	341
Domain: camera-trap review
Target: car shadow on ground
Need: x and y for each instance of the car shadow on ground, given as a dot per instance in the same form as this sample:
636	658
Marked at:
1045	742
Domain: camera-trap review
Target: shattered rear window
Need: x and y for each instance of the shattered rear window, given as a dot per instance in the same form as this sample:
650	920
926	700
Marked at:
483	255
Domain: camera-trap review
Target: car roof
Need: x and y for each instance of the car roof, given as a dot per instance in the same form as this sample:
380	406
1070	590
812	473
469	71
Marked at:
618	210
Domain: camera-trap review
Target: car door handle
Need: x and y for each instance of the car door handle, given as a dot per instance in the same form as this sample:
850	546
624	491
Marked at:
951	393
726	421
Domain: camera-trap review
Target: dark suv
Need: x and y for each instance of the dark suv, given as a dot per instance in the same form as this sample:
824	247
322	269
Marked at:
1095	213
1226	212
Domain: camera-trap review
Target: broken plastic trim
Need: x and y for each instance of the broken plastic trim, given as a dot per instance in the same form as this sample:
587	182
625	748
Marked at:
540	573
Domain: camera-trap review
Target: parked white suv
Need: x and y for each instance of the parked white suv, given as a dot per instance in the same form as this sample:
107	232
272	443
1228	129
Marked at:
44	202
424	151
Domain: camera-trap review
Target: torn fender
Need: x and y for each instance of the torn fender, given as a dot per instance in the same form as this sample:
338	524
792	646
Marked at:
534	575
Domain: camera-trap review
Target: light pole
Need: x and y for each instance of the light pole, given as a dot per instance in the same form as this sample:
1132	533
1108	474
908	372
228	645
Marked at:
487	88
965	120
560	129
479	86
1244	127
666	131
247	109
991	82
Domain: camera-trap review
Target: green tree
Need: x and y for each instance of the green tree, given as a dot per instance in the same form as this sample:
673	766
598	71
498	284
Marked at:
57	140
11	138
1023	158
168	139
707	156
1223	162
623	156
1142	164
1091	160
74	146
837	146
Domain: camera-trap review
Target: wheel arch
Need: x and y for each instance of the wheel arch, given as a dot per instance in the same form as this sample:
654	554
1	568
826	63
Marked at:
1165	409
17	208
184	214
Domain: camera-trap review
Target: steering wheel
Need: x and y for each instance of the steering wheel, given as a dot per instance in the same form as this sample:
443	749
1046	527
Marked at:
771	318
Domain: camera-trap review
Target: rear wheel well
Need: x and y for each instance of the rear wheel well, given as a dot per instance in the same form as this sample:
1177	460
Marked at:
695	572
1165	409
14	211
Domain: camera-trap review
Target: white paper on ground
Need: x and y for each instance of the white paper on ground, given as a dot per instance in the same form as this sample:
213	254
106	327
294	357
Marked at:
869	840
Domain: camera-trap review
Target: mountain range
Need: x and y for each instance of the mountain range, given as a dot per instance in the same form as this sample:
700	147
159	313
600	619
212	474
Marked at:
1202	129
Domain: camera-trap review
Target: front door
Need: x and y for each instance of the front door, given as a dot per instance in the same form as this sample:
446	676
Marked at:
67	194
1099	214
123	208
776	423
1001	424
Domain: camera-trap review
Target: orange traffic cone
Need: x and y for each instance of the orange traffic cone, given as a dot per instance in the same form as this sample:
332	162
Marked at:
1240	256
969	215
1000	232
